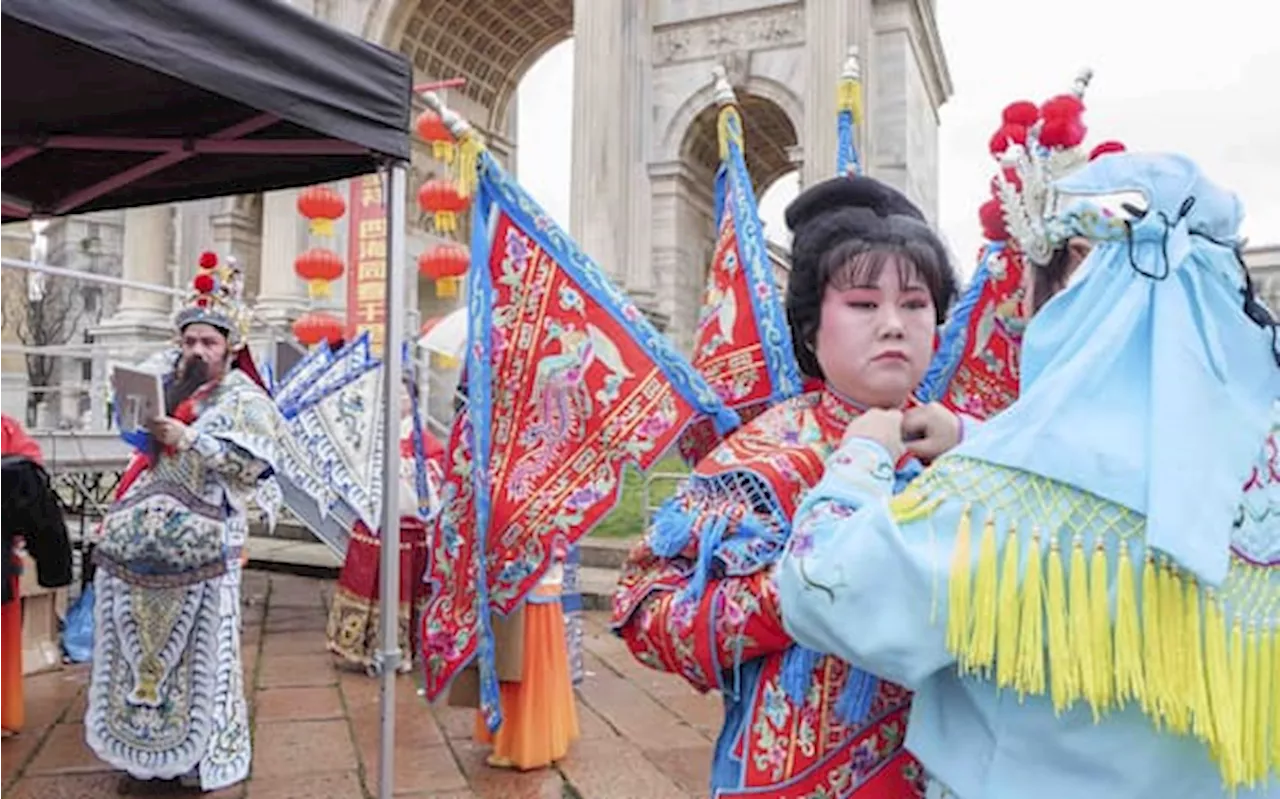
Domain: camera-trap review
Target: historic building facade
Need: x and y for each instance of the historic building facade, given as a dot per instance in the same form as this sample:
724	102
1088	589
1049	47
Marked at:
644	140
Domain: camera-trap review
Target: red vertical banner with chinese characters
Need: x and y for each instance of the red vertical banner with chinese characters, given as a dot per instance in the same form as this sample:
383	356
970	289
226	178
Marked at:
367	248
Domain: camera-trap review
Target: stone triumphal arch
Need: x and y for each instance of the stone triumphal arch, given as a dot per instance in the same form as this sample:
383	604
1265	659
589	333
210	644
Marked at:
644	140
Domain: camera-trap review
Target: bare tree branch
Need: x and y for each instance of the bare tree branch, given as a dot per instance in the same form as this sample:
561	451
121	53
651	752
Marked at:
49	320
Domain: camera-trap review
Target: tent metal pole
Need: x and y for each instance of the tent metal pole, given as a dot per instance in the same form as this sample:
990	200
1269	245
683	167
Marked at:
389	568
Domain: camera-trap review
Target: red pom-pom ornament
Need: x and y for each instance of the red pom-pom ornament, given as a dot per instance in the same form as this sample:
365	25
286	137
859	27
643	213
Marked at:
1023	112
208	260
1062	107
203	283
1015	134
1063	133
991	214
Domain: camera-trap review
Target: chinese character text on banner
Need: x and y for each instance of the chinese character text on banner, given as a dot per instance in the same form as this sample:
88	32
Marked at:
367	254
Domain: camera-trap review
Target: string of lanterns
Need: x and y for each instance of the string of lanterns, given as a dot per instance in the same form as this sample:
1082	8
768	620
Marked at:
444	200
320	266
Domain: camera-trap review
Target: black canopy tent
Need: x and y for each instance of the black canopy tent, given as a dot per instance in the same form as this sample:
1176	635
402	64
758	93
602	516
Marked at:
116	103
121	103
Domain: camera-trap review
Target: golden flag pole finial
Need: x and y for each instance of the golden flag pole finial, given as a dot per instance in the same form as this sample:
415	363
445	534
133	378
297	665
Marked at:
849	90
469	143
727	99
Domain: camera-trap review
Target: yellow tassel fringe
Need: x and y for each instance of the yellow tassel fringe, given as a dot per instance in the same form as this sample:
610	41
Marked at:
1170	646
982	649
1152	701
1202	723
469	150
1007	614
958	592
1064	685
1128	637
1100	631
726	132
849	98
1029	677
1078	630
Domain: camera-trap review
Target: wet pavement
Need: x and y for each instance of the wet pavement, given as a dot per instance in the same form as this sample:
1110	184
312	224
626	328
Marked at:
645	735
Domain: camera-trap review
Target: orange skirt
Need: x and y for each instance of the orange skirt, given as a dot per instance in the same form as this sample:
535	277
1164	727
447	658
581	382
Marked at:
540	718
12	707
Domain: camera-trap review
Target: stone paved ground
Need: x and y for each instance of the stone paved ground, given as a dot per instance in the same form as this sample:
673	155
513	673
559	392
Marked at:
645	735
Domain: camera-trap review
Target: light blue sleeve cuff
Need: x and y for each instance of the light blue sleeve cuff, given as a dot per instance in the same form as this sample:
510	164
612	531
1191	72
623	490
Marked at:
969	425
859	471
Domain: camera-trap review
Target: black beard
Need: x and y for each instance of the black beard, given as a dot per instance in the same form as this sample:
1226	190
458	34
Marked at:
187	376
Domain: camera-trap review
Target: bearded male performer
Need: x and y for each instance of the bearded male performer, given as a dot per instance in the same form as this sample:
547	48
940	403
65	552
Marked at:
166	699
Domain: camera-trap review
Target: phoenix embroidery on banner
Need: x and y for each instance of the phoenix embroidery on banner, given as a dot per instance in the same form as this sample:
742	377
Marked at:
576	384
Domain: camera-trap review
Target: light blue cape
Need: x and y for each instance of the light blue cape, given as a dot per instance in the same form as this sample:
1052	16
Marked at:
1150	390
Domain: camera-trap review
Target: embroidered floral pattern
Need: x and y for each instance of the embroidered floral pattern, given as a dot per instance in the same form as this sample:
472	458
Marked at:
732	636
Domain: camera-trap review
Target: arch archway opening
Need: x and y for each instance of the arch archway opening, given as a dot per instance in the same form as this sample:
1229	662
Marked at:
769	138
543	130
490	43
773	202
769	141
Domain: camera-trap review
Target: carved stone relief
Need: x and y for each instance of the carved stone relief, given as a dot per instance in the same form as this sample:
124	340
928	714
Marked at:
778	27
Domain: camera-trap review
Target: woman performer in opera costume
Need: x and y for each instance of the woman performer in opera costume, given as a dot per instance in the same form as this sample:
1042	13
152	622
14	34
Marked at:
353	630
1081	595
31	513
536	672
540	714
869	284
976	369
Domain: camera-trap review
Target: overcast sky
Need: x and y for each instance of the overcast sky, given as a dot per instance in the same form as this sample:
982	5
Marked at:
1199	79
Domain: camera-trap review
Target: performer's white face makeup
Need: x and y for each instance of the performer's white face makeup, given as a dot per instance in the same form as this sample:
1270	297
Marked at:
207	343
876	333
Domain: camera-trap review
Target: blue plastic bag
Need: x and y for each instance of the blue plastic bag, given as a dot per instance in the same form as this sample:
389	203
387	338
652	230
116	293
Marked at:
77	630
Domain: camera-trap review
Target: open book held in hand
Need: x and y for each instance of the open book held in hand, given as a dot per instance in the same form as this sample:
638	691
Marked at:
139	398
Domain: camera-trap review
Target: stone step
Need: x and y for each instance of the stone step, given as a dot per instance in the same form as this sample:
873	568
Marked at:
597	586
307	558
605	553
286	528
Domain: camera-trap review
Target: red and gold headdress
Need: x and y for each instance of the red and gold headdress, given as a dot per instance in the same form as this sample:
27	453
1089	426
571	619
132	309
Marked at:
1036	146
217	299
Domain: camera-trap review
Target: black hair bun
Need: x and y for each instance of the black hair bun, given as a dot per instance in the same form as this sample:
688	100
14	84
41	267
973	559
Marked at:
849	192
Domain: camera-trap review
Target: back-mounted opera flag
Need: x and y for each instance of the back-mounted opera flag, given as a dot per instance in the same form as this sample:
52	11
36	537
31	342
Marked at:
742	345
566	382
975	368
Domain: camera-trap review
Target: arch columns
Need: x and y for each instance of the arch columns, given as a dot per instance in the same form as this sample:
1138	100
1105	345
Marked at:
608	203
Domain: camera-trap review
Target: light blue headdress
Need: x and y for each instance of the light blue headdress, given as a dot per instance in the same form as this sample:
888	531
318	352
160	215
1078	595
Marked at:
1145	382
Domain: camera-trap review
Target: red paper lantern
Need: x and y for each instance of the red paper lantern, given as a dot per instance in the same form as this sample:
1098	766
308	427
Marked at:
445	264
314	327
321	205
432	130
442	199
319	267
